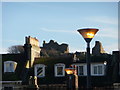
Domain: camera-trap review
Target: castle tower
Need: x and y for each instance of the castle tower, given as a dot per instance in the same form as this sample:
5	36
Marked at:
98	49
32	50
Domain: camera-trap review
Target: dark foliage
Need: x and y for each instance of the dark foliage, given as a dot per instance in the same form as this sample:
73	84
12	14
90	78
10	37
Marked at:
16	49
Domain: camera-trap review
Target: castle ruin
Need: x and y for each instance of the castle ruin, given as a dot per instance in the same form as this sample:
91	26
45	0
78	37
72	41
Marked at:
54	49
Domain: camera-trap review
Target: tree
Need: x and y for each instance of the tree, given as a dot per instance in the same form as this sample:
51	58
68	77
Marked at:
16	49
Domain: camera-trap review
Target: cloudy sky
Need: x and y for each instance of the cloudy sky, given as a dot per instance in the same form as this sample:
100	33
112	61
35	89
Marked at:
60	21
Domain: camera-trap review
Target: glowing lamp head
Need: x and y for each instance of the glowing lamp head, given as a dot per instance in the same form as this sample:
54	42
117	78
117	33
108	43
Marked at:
69	70
88	33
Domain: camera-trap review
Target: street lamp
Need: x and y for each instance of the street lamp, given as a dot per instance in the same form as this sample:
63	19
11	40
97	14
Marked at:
69	70
70	82
88	34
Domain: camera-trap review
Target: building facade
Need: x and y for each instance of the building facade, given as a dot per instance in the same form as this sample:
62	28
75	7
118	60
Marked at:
105	68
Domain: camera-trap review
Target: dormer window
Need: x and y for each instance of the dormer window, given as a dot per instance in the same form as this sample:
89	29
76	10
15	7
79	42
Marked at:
81	69
98	69
39	70
9	66
59	70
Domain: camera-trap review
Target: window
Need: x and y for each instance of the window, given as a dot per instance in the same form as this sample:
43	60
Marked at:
80	70
59	70
95	69
10	66
98	69
39	70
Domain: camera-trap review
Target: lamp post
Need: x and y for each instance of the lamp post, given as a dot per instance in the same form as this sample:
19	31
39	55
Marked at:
70	82
88	34
33	83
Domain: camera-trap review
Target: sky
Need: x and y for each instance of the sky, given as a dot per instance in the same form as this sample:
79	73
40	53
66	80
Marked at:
60	21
